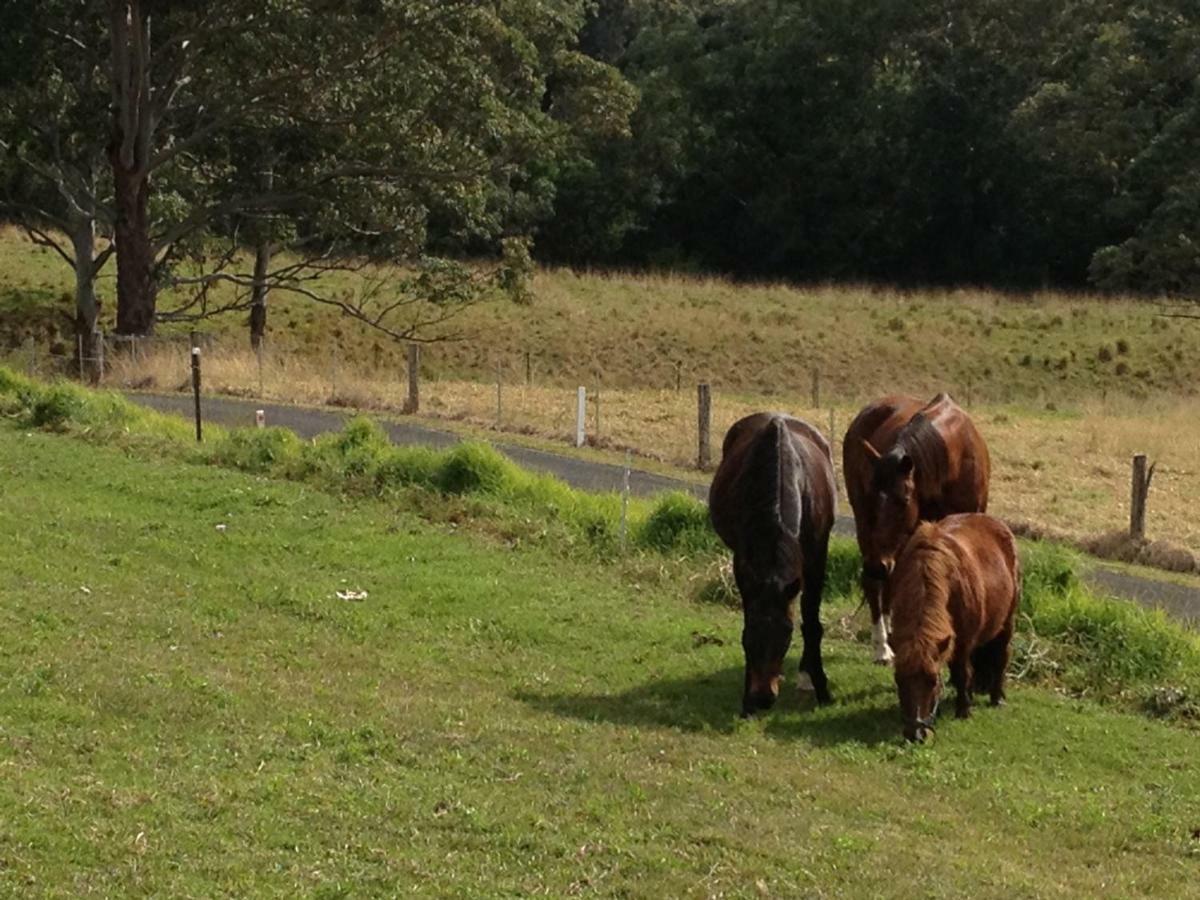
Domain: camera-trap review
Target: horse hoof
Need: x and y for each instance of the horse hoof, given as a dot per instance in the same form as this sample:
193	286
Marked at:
804	684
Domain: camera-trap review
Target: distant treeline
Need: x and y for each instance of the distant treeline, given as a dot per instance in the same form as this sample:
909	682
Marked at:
1012	142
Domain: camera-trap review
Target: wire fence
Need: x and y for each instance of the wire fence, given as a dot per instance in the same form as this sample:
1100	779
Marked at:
1039	468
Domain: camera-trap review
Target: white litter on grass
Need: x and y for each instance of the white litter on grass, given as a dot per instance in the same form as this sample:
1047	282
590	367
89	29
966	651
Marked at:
222	527
85	588
352	595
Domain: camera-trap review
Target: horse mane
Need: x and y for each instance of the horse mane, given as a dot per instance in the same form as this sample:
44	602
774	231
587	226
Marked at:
772	507
921	441
920	593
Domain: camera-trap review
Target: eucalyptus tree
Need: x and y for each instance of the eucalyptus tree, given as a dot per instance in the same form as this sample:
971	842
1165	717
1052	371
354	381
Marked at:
53	172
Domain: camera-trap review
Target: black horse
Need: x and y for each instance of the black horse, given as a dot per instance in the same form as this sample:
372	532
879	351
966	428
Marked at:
772	502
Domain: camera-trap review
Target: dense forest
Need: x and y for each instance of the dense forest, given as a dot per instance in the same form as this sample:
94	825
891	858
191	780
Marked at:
1014	143
1011	143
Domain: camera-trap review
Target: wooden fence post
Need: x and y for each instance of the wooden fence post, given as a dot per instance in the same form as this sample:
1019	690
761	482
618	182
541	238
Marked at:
580	417
1139	489
597	425
816	388
703	425
678	377
414	387
624	501
100	351
528	369
499	382
195	339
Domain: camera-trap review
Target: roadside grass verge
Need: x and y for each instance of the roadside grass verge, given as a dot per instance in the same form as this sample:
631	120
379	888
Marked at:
1069	638
191	711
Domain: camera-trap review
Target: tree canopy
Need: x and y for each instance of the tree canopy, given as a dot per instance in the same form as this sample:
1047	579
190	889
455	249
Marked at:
1015	143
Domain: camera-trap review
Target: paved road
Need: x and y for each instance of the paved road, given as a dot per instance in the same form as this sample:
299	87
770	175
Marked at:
1177	600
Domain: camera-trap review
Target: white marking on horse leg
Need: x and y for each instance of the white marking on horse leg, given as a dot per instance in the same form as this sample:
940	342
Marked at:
804	683
879	636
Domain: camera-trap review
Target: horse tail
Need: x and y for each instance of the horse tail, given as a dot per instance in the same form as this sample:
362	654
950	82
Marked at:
772	504
789	505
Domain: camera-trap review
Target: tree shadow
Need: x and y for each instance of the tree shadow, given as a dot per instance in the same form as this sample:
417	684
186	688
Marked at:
710	702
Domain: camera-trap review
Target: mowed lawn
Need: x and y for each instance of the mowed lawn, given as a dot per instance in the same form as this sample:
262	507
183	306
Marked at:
191	711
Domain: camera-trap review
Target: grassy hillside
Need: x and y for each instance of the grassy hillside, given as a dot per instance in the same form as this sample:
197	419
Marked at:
1065	389
639	331
189	710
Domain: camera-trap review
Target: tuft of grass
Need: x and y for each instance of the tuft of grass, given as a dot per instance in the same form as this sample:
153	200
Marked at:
678	524
259	450
473	467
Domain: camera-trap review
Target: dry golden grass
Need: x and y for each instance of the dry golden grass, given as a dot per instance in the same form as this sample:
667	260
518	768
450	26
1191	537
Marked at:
1065	387
1068	471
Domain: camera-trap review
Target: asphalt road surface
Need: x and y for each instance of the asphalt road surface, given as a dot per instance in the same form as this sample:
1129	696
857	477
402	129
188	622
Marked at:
1178	600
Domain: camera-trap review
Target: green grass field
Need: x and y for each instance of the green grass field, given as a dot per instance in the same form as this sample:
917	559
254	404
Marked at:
190	711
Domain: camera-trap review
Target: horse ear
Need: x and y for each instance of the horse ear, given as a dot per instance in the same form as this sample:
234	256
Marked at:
905	465
872	453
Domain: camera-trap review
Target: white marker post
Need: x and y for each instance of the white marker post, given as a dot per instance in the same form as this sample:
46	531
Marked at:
580	418
260	418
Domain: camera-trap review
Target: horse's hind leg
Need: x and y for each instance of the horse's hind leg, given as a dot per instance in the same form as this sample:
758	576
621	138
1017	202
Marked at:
982	662
961	674
999	651
811	628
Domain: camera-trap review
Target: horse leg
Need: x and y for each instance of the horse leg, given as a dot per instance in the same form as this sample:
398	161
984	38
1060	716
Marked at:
981	662
1001	650
872	588
812	668
961	674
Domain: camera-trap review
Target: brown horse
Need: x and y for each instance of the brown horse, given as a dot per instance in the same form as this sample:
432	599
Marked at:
772	502
954	595
904	463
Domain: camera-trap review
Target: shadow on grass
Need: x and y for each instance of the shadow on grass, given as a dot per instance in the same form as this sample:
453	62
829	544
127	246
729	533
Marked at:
865	715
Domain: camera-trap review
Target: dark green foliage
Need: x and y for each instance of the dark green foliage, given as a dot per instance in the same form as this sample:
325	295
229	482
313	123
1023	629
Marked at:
678	524
258	449
54	407
1016	143
474	468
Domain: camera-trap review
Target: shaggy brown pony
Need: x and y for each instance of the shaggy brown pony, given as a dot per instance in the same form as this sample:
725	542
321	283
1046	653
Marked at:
954	595
906	462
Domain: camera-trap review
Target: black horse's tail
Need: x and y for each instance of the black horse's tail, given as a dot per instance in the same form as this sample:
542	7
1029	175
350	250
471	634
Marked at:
772	498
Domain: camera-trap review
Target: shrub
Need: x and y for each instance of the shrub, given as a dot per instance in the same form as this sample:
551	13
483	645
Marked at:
678	523
473	467
55	406
407	466
257	449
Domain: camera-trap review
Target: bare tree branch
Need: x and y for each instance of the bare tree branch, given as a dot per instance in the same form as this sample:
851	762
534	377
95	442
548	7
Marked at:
43	239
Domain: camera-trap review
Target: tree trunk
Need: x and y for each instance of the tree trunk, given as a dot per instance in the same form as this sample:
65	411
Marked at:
258	294
133	122
136	290
87	309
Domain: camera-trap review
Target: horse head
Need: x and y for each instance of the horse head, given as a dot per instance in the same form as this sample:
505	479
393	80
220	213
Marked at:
919	684
894	507
768	622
